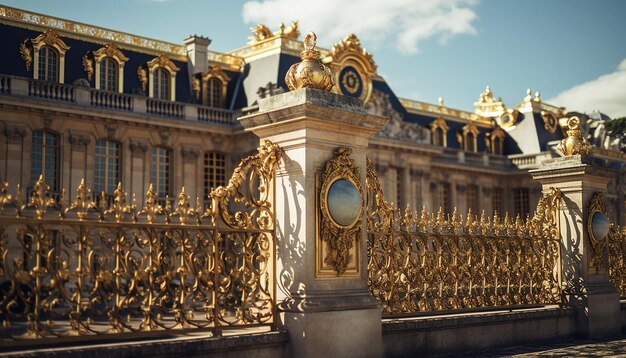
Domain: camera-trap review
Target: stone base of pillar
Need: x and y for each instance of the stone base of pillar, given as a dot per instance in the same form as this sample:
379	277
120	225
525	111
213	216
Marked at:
598	310
346	333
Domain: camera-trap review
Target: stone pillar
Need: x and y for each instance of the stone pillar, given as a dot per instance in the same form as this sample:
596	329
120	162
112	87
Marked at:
586	287
326	315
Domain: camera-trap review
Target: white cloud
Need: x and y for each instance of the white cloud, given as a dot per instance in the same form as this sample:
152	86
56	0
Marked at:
606	94
405	22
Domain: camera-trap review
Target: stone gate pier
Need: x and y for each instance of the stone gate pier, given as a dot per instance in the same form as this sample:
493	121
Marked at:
584	258
326	314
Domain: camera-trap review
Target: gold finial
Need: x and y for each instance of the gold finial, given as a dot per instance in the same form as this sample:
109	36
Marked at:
440	101
311	72
528	95
537	96
575	143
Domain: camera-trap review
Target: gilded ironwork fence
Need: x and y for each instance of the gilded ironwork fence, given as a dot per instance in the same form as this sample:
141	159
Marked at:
617	259
425	262
89	268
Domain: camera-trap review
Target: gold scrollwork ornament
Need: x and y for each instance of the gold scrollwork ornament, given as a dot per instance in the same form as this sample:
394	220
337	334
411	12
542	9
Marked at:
340	218
26	55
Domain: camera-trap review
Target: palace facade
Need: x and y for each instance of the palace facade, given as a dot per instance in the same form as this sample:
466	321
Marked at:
78	101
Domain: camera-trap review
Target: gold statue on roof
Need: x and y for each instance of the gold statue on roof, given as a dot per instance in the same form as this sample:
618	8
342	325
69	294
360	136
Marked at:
262	32
487	96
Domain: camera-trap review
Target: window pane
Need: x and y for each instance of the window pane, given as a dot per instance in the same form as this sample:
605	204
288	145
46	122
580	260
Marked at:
106	173
44	153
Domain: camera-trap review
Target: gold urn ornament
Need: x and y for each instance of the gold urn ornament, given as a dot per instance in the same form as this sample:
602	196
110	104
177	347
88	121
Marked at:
311	72
575	143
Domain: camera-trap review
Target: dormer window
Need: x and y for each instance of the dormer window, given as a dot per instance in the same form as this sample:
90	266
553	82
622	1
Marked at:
110	68
495	141
162	75
468	138
48	68
215	83
49	57
108	74
439	130
160	81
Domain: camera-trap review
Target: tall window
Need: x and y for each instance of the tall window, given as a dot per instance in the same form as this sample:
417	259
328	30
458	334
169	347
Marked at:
214	89
160	171
497	146
48	64
520	198
44	158
470	142
472	198
108	74
438	137
445	199
214	171
107	166
161	83
496	201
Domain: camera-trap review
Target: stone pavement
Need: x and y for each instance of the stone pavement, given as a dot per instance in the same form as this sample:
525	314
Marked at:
567	348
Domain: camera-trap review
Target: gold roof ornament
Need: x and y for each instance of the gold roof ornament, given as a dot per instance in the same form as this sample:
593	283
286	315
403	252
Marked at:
311	72
575	143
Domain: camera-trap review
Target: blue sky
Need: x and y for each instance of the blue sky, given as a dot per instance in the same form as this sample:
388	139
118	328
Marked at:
573	51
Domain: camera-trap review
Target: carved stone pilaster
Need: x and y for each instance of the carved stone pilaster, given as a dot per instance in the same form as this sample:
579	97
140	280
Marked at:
138	149
190	155
15	135
79	142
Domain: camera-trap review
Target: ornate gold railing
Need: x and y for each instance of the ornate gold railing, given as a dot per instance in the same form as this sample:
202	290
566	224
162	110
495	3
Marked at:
425	262
617	259
80	268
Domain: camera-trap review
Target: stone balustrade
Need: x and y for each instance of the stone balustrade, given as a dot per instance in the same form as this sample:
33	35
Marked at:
90	97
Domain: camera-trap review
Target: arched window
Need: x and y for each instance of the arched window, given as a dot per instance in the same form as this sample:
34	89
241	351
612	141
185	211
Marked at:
106	166
161	85
48	64
438	130
108	74
215	82
160	171
162	76
214	92
495	141
44	156
469	138
109	68
48	57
